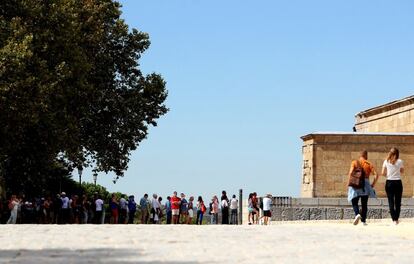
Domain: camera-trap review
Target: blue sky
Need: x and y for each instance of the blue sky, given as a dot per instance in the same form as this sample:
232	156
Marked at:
246	79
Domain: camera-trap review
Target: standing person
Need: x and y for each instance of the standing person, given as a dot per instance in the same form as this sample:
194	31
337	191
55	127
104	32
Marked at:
234	204
224	209
354	194
168	211
175	208
143	203
201	209
13	207
255	214
123	207
132	208
38	210
160	213
392	168
114	205
155	210
85	205
75	206
190	210
47	205
267	206
57	205
51	209
29	211
250	208
71	210
93	208
65	210
214	210
99	207
183	209
2	206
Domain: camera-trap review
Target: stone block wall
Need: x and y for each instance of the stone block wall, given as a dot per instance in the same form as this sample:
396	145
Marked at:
327	158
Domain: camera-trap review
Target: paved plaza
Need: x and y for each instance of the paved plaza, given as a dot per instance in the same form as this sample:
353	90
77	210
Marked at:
304	242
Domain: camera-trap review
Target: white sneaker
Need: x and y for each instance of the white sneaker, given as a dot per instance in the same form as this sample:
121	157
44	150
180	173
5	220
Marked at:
357	218
364	223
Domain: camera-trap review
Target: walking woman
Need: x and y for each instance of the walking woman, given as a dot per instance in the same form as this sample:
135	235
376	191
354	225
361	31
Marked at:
392	168
201	209
363	192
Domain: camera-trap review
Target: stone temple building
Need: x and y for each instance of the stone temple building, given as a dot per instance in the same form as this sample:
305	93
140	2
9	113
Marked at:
327	156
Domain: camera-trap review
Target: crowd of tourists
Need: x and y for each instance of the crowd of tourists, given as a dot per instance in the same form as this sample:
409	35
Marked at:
64	209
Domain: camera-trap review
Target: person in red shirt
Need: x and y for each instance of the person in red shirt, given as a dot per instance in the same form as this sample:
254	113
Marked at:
175	207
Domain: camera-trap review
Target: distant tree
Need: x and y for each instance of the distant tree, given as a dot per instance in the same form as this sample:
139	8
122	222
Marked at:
71	88
90	189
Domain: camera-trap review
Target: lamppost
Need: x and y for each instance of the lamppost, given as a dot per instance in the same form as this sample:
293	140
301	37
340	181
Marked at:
64	171
95	177
80	170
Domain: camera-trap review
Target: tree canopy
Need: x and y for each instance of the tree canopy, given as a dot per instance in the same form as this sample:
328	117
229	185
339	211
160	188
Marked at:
71	89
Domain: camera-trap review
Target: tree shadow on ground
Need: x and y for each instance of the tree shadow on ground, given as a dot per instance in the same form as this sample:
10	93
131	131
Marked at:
64	255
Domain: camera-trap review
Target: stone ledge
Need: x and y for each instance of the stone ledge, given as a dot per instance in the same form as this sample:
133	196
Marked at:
305	202
343	202
332	213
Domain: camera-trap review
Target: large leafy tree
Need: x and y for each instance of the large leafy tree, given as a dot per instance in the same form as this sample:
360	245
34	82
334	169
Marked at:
71	88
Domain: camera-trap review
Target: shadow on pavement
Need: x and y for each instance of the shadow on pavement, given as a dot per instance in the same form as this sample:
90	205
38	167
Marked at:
63	255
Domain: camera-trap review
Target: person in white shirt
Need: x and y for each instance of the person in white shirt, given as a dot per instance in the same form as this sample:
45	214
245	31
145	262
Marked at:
65	208
155	210
392	168
98	210
267	206
234	204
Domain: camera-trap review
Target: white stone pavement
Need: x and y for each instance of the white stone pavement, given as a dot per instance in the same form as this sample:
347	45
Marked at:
303	242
